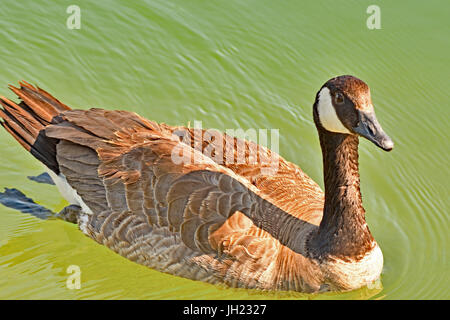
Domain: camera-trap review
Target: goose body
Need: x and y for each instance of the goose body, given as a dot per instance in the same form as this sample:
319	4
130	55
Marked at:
212	219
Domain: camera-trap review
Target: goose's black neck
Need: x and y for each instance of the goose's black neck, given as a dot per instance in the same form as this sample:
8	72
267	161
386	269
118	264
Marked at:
343	231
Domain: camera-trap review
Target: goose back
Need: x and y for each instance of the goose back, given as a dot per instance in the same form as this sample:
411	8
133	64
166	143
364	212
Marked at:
207	221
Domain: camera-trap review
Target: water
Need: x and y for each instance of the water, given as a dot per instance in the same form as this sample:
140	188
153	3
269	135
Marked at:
248	64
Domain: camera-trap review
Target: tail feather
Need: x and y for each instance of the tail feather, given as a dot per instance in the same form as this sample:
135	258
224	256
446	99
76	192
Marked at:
44	95
15	135
36	103
25	121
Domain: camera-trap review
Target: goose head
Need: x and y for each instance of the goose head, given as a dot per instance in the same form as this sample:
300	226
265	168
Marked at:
343	105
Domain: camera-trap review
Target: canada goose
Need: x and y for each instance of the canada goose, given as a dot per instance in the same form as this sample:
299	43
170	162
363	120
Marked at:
214	221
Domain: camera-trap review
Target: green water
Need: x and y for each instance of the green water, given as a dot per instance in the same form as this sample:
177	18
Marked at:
231	64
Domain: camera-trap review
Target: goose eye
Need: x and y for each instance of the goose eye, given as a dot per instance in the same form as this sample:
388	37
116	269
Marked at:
339	98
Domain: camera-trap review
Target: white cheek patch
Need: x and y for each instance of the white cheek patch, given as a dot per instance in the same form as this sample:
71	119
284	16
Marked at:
327	114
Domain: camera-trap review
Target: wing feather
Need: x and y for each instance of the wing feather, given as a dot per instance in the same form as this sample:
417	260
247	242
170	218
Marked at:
234	213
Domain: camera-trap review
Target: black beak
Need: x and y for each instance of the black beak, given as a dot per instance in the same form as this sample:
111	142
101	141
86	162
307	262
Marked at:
369	128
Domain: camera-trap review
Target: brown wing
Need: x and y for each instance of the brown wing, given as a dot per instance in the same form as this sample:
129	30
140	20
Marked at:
228	225
287	187
214	212
281	181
